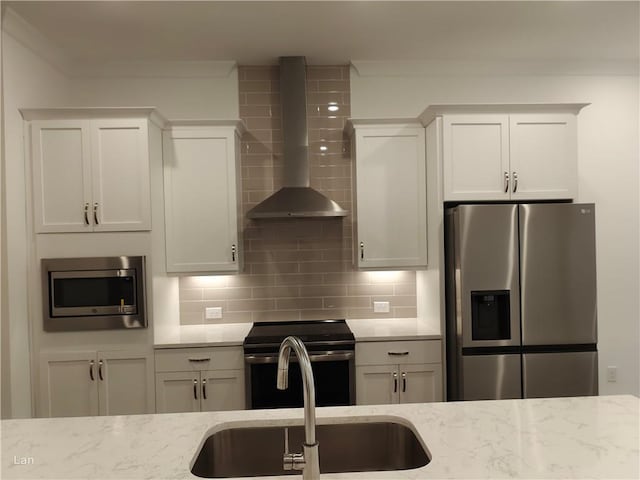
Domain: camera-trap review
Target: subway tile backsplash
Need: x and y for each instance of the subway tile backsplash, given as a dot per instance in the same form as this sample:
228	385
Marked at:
296	269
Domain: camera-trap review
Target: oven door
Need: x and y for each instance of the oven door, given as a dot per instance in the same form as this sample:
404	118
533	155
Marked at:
333	374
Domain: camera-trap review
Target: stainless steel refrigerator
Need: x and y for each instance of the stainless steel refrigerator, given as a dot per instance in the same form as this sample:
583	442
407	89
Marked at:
520	301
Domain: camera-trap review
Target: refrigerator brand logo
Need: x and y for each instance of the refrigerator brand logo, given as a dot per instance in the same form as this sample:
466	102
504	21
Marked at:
584	211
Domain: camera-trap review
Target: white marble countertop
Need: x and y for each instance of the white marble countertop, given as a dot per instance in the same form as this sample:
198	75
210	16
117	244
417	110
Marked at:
226	334
386	329
567	438
221	334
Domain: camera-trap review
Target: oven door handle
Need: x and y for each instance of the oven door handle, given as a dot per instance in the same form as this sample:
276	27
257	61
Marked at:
315	357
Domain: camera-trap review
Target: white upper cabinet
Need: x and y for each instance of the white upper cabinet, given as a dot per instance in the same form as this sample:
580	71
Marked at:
390	194
507	152
90	169
475	156
201	187
120	161
544	156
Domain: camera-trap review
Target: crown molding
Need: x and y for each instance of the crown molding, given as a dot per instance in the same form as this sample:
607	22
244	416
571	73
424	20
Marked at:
24	33
30	114
433	111
371	68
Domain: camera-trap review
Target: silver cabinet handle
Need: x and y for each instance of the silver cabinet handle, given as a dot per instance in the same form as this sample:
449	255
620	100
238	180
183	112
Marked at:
91	364
515	182
100	370
404	382
395	382
204	389
95	213
398	354
86	213
506	182
195	389
233	252
201	359
361	250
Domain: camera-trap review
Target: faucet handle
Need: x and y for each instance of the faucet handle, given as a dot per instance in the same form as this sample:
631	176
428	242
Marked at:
291	461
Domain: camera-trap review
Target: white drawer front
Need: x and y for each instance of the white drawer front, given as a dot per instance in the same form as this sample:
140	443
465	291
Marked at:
401	352
185	359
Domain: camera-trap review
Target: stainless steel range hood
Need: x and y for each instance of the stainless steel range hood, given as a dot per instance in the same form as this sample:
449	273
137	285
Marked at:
296	198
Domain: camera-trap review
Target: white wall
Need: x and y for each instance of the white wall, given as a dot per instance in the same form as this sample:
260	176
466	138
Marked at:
608	139
179	90
29	81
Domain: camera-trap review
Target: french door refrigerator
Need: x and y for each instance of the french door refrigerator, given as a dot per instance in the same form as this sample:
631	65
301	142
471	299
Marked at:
521	301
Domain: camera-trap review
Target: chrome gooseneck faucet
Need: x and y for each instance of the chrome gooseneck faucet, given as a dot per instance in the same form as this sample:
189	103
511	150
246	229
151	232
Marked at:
308	461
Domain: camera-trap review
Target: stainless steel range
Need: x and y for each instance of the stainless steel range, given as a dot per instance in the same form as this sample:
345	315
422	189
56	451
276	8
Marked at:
331	347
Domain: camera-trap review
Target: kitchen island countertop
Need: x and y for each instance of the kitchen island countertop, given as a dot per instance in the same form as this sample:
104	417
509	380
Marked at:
566	438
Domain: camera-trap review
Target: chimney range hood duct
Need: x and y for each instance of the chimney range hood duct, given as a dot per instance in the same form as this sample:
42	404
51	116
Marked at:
296	198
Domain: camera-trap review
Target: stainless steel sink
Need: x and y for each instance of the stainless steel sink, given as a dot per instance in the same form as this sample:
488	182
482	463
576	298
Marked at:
344	447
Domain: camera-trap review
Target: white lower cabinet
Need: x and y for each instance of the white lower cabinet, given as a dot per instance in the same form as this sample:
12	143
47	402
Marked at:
90	382
398	372
200	379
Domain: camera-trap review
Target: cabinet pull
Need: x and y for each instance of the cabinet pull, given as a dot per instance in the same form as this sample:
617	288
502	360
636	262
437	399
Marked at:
404	382
395	382
204	389
86	213
233	252
515	182
100	370
506	182
95	213
196	360
361	250
91	363
195	389
398	354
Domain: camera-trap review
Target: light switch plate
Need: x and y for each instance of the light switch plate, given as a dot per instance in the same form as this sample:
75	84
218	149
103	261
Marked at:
212	313
381	307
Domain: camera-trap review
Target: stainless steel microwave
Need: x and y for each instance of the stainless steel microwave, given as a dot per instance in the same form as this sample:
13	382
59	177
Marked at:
93	293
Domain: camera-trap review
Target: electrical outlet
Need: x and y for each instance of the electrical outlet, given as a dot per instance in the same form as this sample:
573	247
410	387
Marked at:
213	313
381	307
612	374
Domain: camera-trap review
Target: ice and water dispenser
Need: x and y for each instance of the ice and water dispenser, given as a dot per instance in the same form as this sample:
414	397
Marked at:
490	315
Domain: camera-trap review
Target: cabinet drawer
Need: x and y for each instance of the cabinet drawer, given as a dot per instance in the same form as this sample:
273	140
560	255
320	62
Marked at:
394	353
185	359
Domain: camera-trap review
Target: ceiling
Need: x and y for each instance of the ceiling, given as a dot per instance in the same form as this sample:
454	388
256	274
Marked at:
335	32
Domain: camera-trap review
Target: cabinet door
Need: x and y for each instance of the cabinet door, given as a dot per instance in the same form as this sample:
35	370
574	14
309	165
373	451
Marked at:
420	383
68	384
377	384
222	390
61	171
177	392
543	156
391	197
475	152
121	192
200	200
125	383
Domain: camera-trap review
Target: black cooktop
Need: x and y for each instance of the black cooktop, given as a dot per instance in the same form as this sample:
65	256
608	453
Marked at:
313	333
